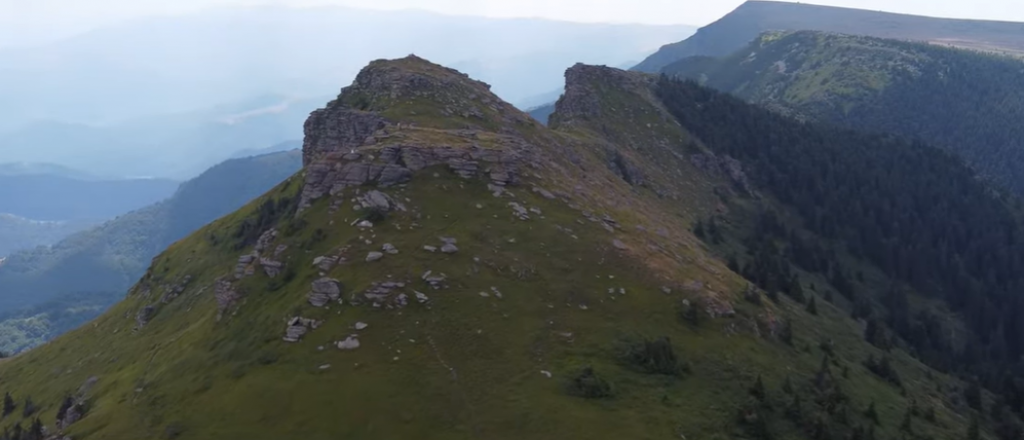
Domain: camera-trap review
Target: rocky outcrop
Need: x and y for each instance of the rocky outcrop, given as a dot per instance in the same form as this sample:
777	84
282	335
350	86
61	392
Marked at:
323	291
144	315
225	294
581	102
351	143
298	327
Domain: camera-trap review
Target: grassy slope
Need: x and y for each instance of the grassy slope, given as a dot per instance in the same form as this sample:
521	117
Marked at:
465	366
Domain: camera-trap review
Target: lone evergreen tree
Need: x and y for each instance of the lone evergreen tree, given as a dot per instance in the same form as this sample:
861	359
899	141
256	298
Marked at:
973	395
872	413
974	431
64	407
28	408
758	389
36	431
9	404
812	306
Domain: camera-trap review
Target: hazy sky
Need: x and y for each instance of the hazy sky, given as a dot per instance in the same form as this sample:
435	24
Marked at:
40	18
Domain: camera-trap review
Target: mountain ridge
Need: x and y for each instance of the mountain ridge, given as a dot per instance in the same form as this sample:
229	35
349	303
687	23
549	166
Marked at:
445	266
753	17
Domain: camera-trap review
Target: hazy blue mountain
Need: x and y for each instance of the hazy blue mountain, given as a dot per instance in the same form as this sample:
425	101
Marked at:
181	63
56	198
22	233
111	257
735	30
178	146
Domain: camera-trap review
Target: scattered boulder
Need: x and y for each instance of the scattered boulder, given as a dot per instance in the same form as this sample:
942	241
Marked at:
544	193
390	248
421	297
298	327
619	245
350	343
323	291
374	256
361	325
365	224
325	263
429	248
225	294
144	315
449	248
270	267
519	211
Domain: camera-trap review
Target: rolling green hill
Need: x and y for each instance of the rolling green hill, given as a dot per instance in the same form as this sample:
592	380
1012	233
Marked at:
738	28
447	267
966	102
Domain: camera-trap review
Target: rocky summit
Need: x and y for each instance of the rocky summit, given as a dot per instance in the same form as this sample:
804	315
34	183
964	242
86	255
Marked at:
446	267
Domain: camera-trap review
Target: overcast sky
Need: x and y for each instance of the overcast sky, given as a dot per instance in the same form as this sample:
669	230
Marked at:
35	18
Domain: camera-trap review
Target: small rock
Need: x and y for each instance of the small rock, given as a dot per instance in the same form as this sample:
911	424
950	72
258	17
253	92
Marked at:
449	240
449	248
364	224
361	325
619	244
350	343
374	256
485	294
325	366
421	297
390	248
429	248
546	373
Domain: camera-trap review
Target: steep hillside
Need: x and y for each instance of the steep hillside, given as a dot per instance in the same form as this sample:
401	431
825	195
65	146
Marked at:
740	27
446	267
966	102
111	257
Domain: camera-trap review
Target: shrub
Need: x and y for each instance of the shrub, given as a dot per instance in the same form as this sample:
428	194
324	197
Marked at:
654	356
589	385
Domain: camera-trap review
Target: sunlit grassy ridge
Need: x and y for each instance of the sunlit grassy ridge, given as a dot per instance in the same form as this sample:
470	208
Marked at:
499	353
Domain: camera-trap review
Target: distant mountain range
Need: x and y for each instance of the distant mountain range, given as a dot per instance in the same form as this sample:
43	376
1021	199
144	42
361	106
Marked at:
111	257
177	146
740	27
22	233
180	63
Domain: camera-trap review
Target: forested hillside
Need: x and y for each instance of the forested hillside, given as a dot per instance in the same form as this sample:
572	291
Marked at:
967	102
841	205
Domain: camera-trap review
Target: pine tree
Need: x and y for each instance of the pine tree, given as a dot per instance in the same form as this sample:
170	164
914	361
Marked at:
812	306
974	431
786	333
733	263
973	395
698	230
758	389
28	408
9	404
907	425
36	431
872	413
64	407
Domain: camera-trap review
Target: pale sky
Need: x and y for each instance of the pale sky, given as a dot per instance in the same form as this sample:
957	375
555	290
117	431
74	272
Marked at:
40	17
